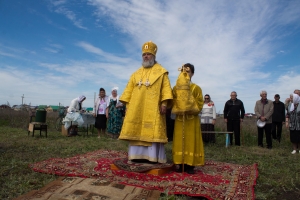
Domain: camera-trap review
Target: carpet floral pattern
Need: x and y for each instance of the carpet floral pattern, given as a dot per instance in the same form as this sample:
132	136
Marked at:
214	180
75	188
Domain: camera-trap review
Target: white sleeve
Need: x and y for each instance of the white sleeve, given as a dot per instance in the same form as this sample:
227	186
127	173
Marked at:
214	112
72	107
107	101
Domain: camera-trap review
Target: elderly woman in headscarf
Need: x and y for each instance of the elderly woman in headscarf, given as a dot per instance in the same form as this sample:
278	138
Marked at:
76	104
114	114
293	122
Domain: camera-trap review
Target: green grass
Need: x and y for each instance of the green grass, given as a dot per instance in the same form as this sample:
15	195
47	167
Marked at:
279	176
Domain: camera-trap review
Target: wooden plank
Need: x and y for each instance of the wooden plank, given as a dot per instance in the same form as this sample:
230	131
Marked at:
216	132
64	132
30	128
152	171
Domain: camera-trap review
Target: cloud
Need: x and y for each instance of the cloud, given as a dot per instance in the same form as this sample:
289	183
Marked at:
7	54
16	50
54	48
58	46
45	87
99	72
107	56
15	53
229	43
51	50
59	7
58	2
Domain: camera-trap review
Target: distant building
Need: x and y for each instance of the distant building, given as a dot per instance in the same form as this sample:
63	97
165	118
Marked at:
40	107
53	108
33	107
89	109
4	106
250	115
19	107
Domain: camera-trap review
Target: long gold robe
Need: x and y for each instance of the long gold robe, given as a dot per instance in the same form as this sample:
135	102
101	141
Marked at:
190	142
143	121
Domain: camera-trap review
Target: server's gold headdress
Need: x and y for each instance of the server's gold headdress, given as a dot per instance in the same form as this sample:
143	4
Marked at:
184	102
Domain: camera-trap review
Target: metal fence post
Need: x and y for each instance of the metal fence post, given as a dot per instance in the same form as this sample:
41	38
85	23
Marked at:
227	140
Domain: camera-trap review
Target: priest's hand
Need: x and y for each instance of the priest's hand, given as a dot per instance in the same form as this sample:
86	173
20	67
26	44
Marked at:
163	109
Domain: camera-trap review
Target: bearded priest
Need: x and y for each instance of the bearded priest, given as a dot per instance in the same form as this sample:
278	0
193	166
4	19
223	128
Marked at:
147	95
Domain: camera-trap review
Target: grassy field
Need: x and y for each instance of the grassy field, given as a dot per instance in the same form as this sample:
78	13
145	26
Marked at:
278	169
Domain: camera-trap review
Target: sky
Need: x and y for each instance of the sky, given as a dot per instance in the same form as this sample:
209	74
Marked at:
52	51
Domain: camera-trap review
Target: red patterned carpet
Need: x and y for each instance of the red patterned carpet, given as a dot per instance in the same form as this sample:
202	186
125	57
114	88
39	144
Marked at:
215	180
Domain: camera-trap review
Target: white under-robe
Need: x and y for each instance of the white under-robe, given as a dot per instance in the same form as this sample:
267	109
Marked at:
153	153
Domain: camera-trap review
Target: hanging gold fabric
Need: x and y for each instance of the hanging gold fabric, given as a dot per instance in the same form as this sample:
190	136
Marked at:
185	102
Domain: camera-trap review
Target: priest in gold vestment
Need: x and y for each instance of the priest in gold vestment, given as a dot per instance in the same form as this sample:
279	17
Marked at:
188	147
146	96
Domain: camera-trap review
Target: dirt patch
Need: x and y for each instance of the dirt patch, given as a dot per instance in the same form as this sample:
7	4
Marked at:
288	195
256	150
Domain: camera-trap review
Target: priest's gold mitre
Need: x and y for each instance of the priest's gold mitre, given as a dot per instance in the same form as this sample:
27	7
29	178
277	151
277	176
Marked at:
184	101
149	47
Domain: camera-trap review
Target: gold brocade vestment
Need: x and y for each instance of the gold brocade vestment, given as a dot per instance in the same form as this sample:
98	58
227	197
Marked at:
143	122
191	145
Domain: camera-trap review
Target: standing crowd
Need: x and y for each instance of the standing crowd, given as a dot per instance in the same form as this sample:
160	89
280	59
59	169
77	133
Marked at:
147	98
108	111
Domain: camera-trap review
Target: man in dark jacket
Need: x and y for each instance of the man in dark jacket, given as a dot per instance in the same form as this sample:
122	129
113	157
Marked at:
234	112
278	117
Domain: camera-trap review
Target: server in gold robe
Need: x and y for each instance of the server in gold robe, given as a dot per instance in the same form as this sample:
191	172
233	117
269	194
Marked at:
187	139
146	96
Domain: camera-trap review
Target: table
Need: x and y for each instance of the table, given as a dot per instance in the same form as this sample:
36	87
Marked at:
227	140
80	119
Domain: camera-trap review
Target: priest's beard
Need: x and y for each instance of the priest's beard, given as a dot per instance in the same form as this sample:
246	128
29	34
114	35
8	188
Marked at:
149	63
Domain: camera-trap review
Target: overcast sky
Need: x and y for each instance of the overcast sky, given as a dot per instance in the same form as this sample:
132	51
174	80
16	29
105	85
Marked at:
53	51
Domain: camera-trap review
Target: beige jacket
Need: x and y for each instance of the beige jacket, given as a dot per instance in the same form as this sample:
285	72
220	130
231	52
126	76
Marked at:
264	110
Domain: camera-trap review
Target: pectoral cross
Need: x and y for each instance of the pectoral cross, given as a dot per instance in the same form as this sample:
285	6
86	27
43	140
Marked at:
140	83
147	83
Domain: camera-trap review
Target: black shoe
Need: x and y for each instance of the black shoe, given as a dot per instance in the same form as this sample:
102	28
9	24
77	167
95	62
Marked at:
140	160
278	139
190	169
269	147
260	145
179	170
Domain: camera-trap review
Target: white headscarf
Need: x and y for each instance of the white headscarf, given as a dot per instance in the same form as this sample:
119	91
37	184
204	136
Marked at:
81	97
114	88
296	100
111	97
